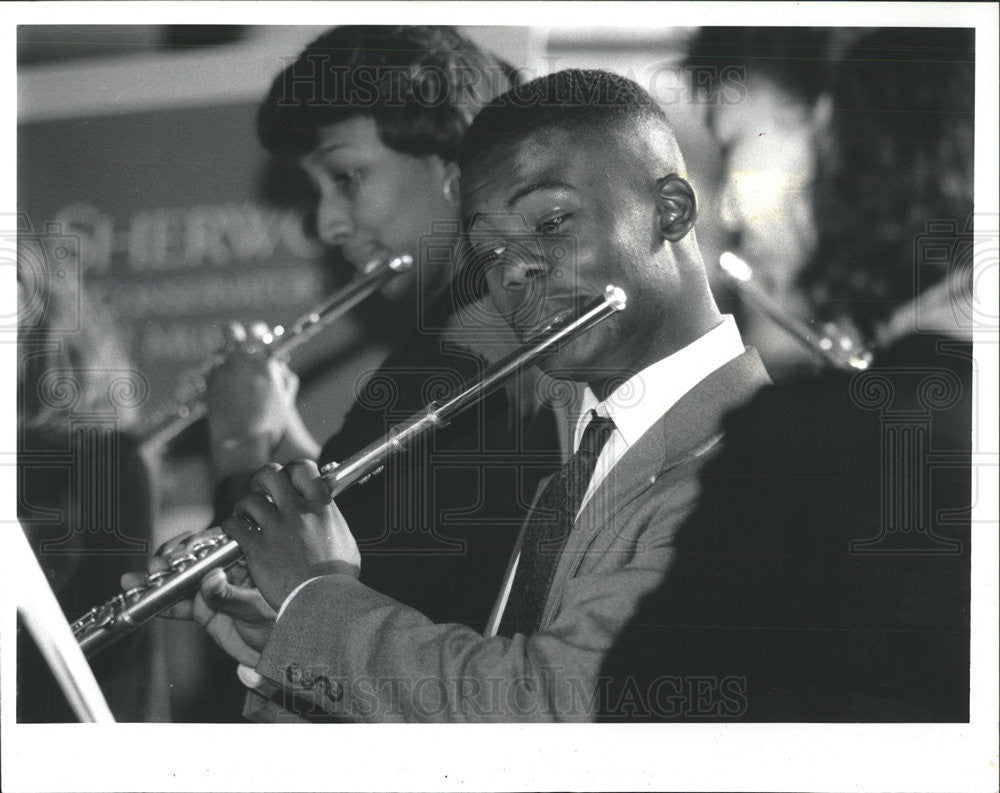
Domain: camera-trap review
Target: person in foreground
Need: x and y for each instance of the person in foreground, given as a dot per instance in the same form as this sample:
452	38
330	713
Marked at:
825	575
578	155
374	116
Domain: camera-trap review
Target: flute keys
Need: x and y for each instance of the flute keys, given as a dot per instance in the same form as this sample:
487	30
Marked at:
106	615
202	545
133	594
178	563
84	622
157	578
99	617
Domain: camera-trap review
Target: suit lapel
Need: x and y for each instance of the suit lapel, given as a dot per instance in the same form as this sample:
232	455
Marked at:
688	429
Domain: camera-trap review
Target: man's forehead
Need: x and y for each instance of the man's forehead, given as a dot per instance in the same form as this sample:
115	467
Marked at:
501	182
531	157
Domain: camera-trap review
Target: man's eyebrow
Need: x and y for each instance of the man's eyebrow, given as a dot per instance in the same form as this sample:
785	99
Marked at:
553	184
549	184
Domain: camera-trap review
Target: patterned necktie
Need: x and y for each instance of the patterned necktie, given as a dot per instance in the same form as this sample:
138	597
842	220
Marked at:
548	528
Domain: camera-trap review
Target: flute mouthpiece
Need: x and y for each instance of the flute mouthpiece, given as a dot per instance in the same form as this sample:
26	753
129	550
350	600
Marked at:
401	263
398	264
616	297
735	267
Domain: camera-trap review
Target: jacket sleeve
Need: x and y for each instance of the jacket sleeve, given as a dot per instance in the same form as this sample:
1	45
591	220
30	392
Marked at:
352	652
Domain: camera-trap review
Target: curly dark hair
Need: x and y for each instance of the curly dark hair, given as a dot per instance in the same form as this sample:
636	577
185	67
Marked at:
422	85
898	156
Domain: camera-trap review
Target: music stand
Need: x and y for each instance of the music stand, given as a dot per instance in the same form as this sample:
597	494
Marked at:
44	619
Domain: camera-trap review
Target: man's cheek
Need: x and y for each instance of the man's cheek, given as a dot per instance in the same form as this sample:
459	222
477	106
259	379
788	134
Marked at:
500	297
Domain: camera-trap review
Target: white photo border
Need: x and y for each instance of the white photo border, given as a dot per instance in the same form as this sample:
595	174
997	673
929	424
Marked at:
926	757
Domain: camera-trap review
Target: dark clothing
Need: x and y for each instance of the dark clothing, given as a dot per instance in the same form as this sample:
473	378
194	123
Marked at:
85	502
825	573
547	531
437	526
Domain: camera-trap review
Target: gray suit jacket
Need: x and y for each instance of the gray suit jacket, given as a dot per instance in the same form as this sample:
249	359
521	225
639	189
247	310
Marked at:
344	650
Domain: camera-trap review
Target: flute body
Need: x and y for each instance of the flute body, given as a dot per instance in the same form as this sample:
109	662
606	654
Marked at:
835	349
105	624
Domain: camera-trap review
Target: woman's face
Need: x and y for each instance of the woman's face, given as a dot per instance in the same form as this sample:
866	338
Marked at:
375	202
766	201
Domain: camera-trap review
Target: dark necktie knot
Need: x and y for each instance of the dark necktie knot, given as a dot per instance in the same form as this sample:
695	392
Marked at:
596	435
577	474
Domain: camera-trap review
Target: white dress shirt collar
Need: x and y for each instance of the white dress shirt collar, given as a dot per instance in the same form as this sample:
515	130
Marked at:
635	406
646	396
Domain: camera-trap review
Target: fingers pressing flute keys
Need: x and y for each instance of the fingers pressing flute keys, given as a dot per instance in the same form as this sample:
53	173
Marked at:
174	555
302	533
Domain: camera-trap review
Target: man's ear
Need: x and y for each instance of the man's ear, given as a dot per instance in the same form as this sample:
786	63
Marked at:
677	207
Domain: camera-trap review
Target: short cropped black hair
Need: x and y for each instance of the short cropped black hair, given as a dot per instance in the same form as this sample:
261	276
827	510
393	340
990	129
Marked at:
573	99
422	85
795	58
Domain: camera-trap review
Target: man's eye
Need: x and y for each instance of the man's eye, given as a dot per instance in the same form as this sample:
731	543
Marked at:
552	225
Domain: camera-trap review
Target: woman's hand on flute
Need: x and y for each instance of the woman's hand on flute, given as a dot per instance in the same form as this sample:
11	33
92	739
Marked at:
250	401
290	530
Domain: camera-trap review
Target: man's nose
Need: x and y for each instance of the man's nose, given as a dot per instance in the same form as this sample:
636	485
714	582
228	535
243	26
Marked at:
522	267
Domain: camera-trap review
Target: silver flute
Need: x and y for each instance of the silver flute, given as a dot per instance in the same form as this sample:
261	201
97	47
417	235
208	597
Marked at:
189	407
834	348
104	625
